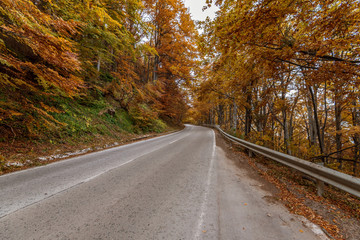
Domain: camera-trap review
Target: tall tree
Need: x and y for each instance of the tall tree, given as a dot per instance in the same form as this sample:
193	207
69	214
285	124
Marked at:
173	37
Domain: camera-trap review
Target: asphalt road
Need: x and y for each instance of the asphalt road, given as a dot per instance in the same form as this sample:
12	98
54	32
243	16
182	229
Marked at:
178	186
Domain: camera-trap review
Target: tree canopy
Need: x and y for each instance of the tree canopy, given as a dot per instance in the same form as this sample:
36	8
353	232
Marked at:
134	53
285	74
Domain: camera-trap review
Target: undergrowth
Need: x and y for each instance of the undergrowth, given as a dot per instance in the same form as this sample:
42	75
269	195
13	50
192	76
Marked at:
63	124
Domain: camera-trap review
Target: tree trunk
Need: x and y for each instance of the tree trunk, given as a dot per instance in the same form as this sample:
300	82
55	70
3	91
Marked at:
356	136
248	115
230	120
155	69
311	130
234	117
148	69
220	111
316	118
338	126
98	64
209	117
285	120
287	136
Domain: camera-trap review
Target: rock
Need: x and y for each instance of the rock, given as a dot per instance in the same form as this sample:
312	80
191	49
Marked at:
109	111
14	164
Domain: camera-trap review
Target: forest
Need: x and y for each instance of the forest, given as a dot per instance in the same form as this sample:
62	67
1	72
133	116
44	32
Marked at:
282	74
285	75
70	67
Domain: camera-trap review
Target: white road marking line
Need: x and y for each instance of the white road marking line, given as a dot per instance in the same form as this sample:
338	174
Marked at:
131	160
199	229
91	154
87	179
313	227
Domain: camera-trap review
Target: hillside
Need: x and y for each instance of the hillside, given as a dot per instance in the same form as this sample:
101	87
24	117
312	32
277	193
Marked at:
74	71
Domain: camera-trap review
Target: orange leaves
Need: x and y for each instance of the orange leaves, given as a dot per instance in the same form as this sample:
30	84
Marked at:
51	50
9	113
297	32
172	36
49	108
283	69
30	37
295	204
37	60
54	50
50	81
24	12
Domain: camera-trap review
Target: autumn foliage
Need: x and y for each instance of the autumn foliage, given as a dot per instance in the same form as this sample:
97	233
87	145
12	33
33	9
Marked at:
132	55
285	74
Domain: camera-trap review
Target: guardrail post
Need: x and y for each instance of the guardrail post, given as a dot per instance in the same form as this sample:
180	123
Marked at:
320	187
320	184
251	154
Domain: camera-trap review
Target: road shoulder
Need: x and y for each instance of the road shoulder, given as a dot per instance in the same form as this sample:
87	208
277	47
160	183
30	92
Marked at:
246	198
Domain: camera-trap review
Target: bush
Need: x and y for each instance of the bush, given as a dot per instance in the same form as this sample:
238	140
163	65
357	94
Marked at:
146	120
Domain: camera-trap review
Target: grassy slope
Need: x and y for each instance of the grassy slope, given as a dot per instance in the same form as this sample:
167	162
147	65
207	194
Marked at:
54	97
82	123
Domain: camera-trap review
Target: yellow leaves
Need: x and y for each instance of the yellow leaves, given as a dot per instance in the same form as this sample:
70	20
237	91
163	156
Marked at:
4	62
40	64
147	50
266	138
49	109
45	116
101	16
24	12
2	45
31	30
14	113
66	28
6	80
9	113
352	130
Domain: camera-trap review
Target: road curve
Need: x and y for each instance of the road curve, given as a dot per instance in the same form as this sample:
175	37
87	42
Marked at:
178	186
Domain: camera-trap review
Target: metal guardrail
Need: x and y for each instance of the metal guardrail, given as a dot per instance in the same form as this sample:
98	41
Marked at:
322	174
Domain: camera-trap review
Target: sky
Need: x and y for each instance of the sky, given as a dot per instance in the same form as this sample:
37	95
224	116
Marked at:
196	9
